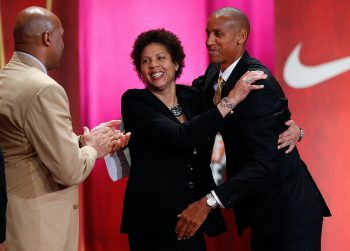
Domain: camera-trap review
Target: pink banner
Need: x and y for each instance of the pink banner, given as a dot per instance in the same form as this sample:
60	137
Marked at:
107	31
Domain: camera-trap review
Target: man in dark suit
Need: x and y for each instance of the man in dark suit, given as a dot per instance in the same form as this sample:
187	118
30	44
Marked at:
3	202
270	191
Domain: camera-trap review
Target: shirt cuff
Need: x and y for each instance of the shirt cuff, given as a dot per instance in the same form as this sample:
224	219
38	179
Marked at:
217	199
93	151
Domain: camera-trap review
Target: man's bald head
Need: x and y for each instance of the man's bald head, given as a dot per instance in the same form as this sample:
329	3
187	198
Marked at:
33	22
236	15
39	32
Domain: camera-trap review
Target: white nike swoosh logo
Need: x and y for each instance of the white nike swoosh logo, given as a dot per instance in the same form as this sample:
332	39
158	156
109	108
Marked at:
298	75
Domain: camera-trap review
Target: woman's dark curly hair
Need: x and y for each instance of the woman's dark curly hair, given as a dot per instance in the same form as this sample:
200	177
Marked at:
161	36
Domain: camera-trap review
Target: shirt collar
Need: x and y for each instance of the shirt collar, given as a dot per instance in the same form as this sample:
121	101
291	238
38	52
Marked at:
34	59
226	74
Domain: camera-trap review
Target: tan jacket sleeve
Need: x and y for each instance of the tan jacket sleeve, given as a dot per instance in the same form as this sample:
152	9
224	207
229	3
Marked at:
48	128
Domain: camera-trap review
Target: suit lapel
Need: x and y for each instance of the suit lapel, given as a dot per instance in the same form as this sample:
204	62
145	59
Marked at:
160	106
211	77
237	72
186	101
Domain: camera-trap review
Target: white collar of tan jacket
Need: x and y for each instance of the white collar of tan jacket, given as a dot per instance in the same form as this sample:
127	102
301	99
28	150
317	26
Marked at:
26	58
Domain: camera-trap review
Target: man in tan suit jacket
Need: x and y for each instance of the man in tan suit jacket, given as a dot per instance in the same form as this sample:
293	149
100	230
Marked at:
3	203
43	160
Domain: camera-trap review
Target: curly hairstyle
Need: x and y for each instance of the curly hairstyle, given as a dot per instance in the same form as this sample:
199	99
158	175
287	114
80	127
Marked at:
161	36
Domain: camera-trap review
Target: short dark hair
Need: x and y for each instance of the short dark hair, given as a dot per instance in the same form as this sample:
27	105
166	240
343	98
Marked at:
161	36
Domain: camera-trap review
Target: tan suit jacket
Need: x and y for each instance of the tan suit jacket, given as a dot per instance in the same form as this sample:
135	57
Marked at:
43	160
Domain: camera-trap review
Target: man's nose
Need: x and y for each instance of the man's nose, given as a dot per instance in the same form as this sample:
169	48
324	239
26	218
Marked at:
210	40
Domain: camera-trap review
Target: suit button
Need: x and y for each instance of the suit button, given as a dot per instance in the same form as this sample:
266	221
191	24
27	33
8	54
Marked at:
190	167
75	206
191	184
194	151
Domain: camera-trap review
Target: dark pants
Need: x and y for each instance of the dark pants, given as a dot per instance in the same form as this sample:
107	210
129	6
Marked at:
304	238
166	243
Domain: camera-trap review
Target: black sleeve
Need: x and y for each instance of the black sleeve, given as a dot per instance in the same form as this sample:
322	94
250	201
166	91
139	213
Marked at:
199	82
3	199
263	113
145	120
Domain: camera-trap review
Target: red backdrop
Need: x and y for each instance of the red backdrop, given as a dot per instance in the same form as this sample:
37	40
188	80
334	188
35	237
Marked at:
323	109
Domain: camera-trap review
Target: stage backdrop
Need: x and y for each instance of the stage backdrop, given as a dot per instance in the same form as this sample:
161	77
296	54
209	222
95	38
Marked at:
313	63
107	31
313	32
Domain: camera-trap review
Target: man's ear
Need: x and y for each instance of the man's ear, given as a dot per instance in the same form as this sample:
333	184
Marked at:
47	38
242	36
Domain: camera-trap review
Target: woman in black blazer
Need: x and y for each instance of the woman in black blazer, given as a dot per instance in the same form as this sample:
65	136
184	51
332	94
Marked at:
170	147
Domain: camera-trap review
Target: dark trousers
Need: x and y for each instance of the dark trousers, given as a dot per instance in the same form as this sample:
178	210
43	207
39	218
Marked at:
166	243
305	238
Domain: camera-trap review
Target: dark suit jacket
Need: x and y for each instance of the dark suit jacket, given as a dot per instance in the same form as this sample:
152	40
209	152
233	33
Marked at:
3	199
170	161
268	189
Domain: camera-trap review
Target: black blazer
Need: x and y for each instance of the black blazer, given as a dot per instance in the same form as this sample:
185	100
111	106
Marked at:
268	189
170	161
3	199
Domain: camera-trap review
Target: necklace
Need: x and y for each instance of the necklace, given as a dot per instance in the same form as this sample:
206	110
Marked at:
176	110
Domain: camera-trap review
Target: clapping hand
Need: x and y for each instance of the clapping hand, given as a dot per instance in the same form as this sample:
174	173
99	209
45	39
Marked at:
105	138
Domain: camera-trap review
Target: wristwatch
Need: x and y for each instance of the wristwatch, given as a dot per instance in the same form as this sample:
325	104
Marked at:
211	201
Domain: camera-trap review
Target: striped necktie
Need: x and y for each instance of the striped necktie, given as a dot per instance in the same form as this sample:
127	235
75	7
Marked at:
217	95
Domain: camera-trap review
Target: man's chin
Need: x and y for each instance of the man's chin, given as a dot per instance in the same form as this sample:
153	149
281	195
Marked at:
215	60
